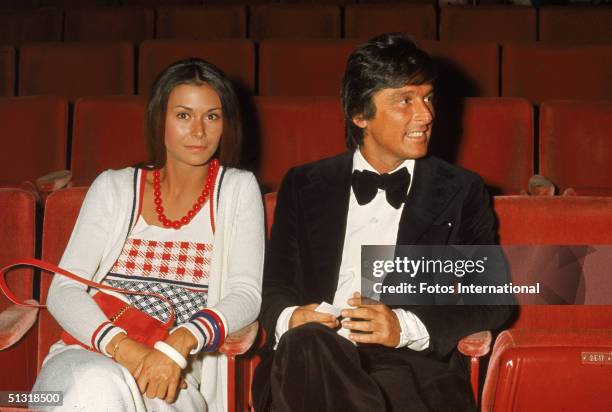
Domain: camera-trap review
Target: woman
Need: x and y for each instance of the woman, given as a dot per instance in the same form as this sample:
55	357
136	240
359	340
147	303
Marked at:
188	227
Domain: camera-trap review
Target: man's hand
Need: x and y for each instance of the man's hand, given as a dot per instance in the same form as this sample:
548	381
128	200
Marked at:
378	321
307	313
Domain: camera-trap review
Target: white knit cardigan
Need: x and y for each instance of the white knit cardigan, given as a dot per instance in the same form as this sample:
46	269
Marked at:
236	267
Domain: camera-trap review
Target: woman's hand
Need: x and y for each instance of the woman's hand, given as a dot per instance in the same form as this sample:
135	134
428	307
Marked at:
127	352
159	376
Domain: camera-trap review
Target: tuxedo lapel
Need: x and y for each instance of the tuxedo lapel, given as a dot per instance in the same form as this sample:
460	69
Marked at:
432	189
325	203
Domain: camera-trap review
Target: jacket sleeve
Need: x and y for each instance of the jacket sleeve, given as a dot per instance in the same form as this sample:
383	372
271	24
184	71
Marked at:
449	324
282	263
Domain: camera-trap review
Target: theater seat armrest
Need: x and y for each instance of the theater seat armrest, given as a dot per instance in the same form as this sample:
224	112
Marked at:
476	345
240	341
53	181
15	322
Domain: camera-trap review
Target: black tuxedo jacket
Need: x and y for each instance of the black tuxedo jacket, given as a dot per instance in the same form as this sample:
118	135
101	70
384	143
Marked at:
305	250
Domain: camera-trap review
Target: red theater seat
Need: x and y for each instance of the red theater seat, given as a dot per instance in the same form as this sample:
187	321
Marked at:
17	240
491	136
465	68
61	211
488	23
366	20
156	3
303	67
108	133
7	71
571	25
34	133
547	72
236	57
294	21
295	131
78	3
19	4
552	340
132	24
17	27
575	145
76	69
198	23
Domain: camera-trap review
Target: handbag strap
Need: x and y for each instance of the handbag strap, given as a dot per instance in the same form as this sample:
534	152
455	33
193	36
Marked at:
49	267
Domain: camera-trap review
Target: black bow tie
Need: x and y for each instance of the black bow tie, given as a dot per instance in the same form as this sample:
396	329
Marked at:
365	185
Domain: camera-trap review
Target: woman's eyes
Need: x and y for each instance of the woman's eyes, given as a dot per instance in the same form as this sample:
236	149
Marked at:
187	116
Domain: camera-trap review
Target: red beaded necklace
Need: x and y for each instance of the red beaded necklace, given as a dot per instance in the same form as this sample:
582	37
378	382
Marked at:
209	187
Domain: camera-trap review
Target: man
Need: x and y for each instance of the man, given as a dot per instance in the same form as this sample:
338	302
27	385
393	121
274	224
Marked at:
386	190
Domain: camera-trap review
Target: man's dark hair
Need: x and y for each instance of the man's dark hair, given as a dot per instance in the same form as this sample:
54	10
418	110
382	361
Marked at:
389	60
193	72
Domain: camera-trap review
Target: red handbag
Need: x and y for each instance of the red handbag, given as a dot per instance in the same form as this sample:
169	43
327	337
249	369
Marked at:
139	326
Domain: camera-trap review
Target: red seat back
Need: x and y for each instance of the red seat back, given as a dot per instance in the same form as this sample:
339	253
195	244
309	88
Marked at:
270	206
99	144
17	241
545	72
132	24
581	220
200	23
572	25
76	69
465	68
303	68
18	27
575	145
491	136
488	23
367	20
236	57
7	71
552	337
34	137
295	131
61	211
294	21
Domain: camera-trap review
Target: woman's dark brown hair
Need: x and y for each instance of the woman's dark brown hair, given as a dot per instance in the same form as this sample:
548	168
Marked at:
194	72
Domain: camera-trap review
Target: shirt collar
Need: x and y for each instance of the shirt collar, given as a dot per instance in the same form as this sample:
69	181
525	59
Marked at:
360	163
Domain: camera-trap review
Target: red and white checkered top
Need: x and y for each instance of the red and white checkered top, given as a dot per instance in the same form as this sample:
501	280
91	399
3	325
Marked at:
169	260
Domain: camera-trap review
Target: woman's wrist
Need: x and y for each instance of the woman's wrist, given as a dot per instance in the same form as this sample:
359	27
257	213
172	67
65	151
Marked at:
113	346
183	341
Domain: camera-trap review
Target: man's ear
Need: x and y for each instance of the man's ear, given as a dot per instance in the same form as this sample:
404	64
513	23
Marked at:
360	121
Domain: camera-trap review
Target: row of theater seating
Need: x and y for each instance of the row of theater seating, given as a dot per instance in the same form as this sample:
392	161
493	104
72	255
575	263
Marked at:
305	67
550	337
496	137
258	22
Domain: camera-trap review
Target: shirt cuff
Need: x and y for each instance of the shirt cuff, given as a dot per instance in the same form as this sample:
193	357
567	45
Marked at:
209	326
282	323
109	333
413	333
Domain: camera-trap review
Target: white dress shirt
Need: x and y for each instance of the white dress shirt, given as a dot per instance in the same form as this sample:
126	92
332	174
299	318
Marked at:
375	223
